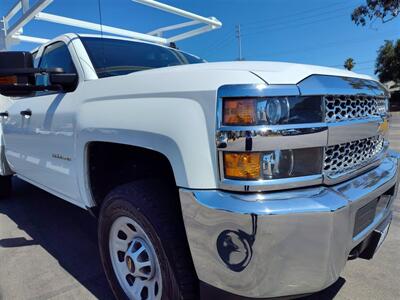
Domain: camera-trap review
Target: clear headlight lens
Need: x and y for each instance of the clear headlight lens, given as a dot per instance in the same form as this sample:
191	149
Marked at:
272	110
273	164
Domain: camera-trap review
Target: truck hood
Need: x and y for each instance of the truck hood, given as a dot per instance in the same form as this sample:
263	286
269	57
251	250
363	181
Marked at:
271	72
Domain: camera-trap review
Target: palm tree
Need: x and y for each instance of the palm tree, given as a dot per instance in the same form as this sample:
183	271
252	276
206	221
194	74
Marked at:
349	64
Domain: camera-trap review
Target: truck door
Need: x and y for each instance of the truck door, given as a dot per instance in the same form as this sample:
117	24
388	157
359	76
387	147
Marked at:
39	132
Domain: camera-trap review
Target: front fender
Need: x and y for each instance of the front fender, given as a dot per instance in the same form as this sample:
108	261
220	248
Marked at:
174	127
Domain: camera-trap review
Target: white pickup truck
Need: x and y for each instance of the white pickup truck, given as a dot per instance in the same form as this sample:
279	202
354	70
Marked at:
231	180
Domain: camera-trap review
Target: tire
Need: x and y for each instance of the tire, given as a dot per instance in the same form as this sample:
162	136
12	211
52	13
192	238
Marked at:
155	211
5	186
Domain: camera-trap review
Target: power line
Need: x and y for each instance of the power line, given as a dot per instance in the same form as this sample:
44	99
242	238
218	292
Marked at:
314	47
228	38
297	13
328	45
287	16
300	18
356	63
285	26
212	50
363	69
222	42
216	43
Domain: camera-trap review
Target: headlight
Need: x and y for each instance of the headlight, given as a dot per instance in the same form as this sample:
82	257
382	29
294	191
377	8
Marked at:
272	164
271	110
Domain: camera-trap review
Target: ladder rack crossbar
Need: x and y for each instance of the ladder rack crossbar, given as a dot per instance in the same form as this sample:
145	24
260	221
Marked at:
179	12
97	27
160	31
13	34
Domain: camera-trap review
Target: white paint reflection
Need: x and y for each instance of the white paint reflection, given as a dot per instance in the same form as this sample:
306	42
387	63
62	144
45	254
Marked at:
13	154
56	168
33	160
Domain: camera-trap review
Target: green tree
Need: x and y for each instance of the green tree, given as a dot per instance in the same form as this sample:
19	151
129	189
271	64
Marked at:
349	64
385	10
387	65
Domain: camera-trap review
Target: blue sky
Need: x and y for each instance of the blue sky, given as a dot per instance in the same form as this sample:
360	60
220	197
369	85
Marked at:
308	31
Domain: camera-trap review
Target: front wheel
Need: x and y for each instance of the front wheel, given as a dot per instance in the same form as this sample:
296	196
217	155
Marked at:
143	245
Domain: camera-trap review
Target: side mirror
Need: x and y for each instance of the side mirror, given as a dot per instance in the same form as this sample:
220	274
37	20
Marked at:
67	81
16	75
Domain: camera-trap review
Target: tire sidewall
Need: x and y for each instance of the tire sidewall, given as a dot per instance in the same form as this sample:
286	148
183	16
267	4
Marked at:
121	207
5	186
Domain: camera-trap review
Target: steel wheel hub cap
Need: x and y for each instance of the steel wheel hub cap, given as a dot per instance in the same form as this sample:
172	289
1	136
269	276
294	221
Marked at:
139	260
134	260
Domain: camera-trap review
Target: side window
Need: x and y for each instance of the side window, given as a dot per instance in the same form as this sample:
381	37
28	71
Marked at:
55	56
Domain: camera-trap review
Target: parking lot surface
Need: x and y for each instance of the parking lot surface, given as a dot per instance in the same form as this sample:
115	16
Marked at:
48	250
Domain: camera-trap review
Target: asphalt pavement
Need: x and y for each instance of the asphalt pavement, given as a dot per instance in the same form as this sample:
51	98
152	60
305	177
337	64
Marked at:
48	250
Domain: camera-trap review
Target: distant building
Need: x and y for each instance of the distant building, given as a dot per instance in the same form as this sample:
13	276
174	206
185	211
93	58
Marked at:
394	89
392	86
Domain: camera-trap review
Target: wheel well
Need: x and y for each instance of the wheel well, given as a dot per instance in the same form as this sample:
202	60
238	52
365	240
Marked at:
111	165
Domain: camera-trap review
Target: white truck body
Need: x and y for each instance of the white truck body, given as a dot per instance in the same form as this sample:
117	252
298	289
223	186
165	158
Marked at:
131	110
294	234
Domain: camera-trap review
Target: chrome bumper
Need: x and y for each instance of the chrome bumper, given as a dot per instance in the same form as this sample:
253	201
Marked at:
281	243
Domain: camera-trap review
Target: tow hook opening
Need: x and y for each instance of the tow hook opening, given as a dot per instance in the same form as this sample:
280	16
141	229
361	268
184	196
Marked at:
368	247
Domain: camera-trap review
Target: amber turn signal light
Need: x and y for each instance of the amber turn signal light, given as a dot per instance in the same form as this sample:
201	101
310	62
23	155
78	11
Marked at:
8	80
242	165
239	112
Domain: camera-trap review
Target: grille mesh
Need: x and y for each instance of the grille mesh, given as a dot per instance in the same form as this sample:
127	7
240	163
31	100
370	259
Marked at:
339	108
350	156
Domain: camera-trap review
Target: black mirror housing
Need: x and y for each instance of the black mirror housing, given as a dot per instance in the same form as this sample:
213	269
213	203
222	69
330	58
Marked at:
16	59
67	81
14	72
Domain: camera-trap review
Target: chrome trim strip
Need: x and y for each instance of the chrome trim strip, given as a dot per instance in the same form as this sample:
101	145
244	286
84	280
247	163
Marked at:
258	90
333	85
349	131
271	184
279	137
274	128
272	139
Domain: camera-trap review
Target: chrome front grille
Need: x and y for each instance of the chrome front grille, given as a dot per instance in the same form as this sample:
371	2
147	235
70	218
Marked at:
343	158
339	107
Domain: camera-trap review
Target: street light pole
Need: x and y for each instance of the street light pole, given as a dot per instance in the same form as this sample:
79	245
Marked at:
239	37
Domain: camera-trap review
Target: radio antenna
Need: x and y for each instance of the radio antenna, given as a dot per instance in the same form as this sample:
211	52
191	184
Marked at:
101	33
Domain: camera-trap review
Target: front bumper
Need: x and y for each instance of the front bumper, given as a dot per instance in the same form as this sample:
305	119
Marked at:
282	243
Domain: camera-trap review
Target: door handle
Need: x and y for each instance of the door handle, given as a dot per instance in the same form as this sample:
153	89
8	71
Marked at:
26	113
4	114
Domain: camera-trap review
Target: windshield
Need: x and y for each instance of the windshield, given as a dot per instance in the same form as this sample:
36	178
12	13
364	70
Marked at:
112	57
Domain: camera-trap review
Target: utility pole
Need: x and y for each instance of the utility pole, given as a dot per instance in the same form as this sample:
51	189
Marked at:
239	37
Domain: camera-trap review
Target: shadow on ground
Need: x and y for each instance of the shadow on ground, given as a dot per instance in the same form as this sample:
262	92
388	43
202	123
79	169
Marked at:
328	293
68	234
